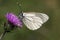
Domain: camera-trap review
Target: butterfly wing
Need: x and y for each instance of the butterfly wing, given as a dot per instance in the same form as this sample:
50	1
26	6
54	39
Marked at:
33	20
43	16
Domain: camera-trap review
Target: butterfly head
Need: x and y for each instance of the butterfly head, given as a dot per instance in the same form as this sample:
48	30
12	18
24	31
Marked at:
21	15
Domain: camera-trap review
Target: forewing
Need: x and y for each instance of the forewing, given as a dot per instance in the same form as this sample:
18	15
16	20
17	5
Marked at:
44	17
32	22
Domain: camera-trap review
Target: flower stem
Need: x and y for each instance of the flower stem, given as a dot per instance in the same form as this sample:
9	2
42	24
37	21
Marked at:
2	35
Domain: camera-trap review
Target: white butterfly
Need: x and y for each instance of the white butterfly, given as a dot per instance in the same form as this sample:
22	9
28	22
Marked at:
34	20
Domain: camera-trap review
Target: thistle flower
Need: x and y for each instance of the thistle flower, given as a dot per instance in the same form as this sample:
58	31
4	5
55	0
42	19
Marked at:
14	19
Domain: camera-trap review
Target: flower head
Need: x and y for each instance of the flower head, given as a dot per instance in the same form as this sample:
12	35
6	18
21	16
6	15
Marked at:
14	19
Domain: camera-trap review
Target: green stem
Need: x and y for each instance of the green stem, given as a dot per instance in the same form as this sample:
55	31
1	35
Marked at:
2	35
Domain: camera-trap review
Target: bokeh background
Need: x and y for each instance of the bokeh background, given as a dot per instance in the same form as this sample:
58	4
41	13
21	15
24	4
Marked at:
49	31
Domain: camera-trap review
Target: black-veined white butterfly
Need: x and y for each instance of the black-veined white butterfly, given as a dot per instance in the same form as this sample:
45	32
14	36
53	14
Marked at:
33	20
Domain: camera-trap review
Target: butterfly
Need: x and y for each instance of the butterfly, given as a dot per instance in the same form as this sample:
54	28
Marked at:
33	20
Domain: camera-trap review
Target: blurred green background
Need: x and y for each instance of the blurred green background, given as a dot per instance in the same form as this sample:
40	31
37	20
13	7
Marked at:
49	31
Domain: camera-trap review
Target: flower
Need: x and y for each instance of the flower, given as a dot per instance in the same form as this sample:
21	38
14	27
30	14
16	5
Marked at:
14	19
